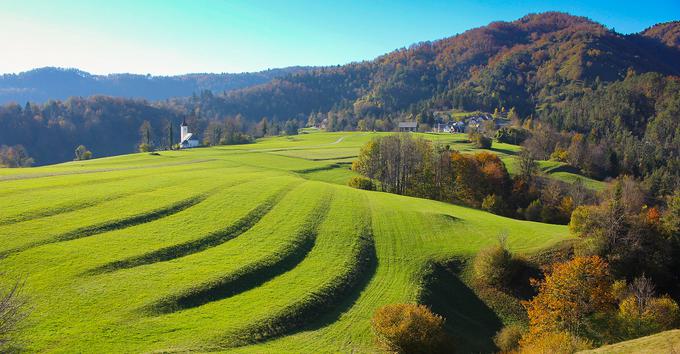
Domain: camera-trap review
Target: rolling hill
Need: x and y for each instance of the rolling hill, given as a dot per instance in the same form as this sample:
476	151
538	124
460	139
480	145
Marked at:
245	248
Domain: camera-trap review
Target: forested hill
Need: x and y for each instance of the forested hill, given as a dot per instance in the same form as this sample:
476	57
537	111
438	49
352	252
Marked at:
40	85
526	64
548	66
668	33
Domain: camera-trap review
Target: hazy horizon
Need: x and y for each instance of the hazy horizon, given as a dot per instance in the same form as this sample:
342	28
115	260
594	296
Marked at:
181	37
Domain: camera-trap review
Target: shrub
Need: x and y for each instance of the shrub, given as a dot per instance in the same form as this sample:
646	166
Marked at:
512	135
533	211
507	339
14	156
82	153
555	343
361	183
494	203
13	311
480	140
145	148
493	266
409	328
559	155
658	314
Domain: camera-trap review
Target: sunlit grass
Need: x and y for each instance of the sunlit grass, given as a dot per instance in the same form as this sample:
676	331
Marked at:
304	276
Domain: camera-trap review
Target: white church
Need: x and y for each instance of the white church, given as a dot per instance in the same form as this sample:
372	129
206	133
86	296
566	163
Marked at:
186	139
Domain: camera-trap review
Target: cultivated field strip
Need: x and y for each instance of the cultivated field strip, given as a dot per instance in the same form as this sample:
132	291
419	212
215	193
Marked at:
251	274
116	224
106	216
29	206
9	188
221	210
345	262
74	171
212	239
326	282
87	197
275	232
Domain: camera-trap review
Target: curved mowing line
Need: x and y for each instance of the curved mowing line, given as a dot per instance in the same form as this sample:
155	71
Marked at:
320	308
252	275
78	206
68	173
67	208
79	184
187	248
115	224
97	181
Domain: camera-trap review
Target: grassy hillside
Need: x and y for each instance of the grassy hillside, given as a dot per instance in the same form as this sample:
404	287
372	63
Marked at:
245	248
664	342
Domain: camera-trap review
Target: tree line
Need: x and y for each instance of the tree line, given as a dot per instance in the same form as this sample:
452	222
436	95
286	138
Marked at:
414	166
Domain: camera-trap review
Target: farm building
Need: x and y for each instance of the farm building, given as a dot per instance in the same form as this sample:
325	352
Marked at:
408	126
186	139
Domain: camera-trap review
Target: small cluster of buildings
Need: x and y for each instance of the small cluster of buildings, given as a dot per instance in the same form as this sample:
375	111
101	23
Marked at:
443	125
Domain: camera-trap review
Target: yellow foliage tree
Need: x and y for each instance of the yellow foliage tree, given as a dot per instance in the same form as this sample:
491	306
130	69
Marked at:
570	295
644	318
409	328
555	343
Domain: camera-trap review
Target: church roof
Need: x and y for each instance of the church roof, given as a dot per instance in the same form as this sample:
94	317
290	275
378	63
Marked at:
184	122
187	138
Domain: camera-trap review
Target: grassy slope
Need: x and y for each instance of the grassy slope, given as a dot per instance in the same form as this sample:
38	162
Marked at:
664	342
342	147
305	276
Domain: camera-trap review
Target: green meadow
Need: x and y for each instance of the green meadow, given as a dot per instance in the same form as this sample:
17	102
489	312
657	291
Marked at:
248	248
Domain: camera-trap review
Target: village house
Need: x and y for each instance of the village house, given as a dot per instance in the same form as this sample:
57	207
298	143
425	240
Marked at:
408	126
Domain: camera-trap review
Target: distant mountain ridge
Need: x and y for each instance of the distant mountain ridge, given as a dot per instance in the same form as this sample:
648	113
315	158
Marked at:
40	85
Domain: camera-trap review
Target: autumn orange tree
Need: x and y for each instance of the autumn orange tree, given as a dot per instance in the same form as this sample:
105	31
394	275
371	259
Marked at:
478	176
569	299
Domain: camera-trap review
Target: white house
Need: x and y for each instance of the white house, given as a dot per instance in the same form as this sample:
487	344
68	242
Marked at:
186	139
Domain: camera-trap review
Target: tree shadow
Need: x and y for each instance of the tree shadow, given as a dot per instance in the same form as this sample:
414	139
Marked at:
503	151
470	322
567	169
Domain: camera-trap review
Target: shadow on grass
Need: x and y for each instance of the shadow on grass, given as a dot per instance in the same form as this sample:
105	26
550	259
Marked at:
115	224
470	322
197	245
564	168
251	275
318	311
503	151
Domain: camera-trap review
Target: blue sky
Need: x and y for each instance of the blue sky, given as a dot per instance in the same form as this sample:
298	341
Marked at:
181	36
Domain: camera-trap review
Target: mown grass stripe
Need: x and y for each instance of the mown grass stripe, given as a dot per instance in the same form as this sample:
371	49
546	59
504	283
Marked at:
115	224
96	181
316	307
78	205
187	248
254	274
69	173
43	213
